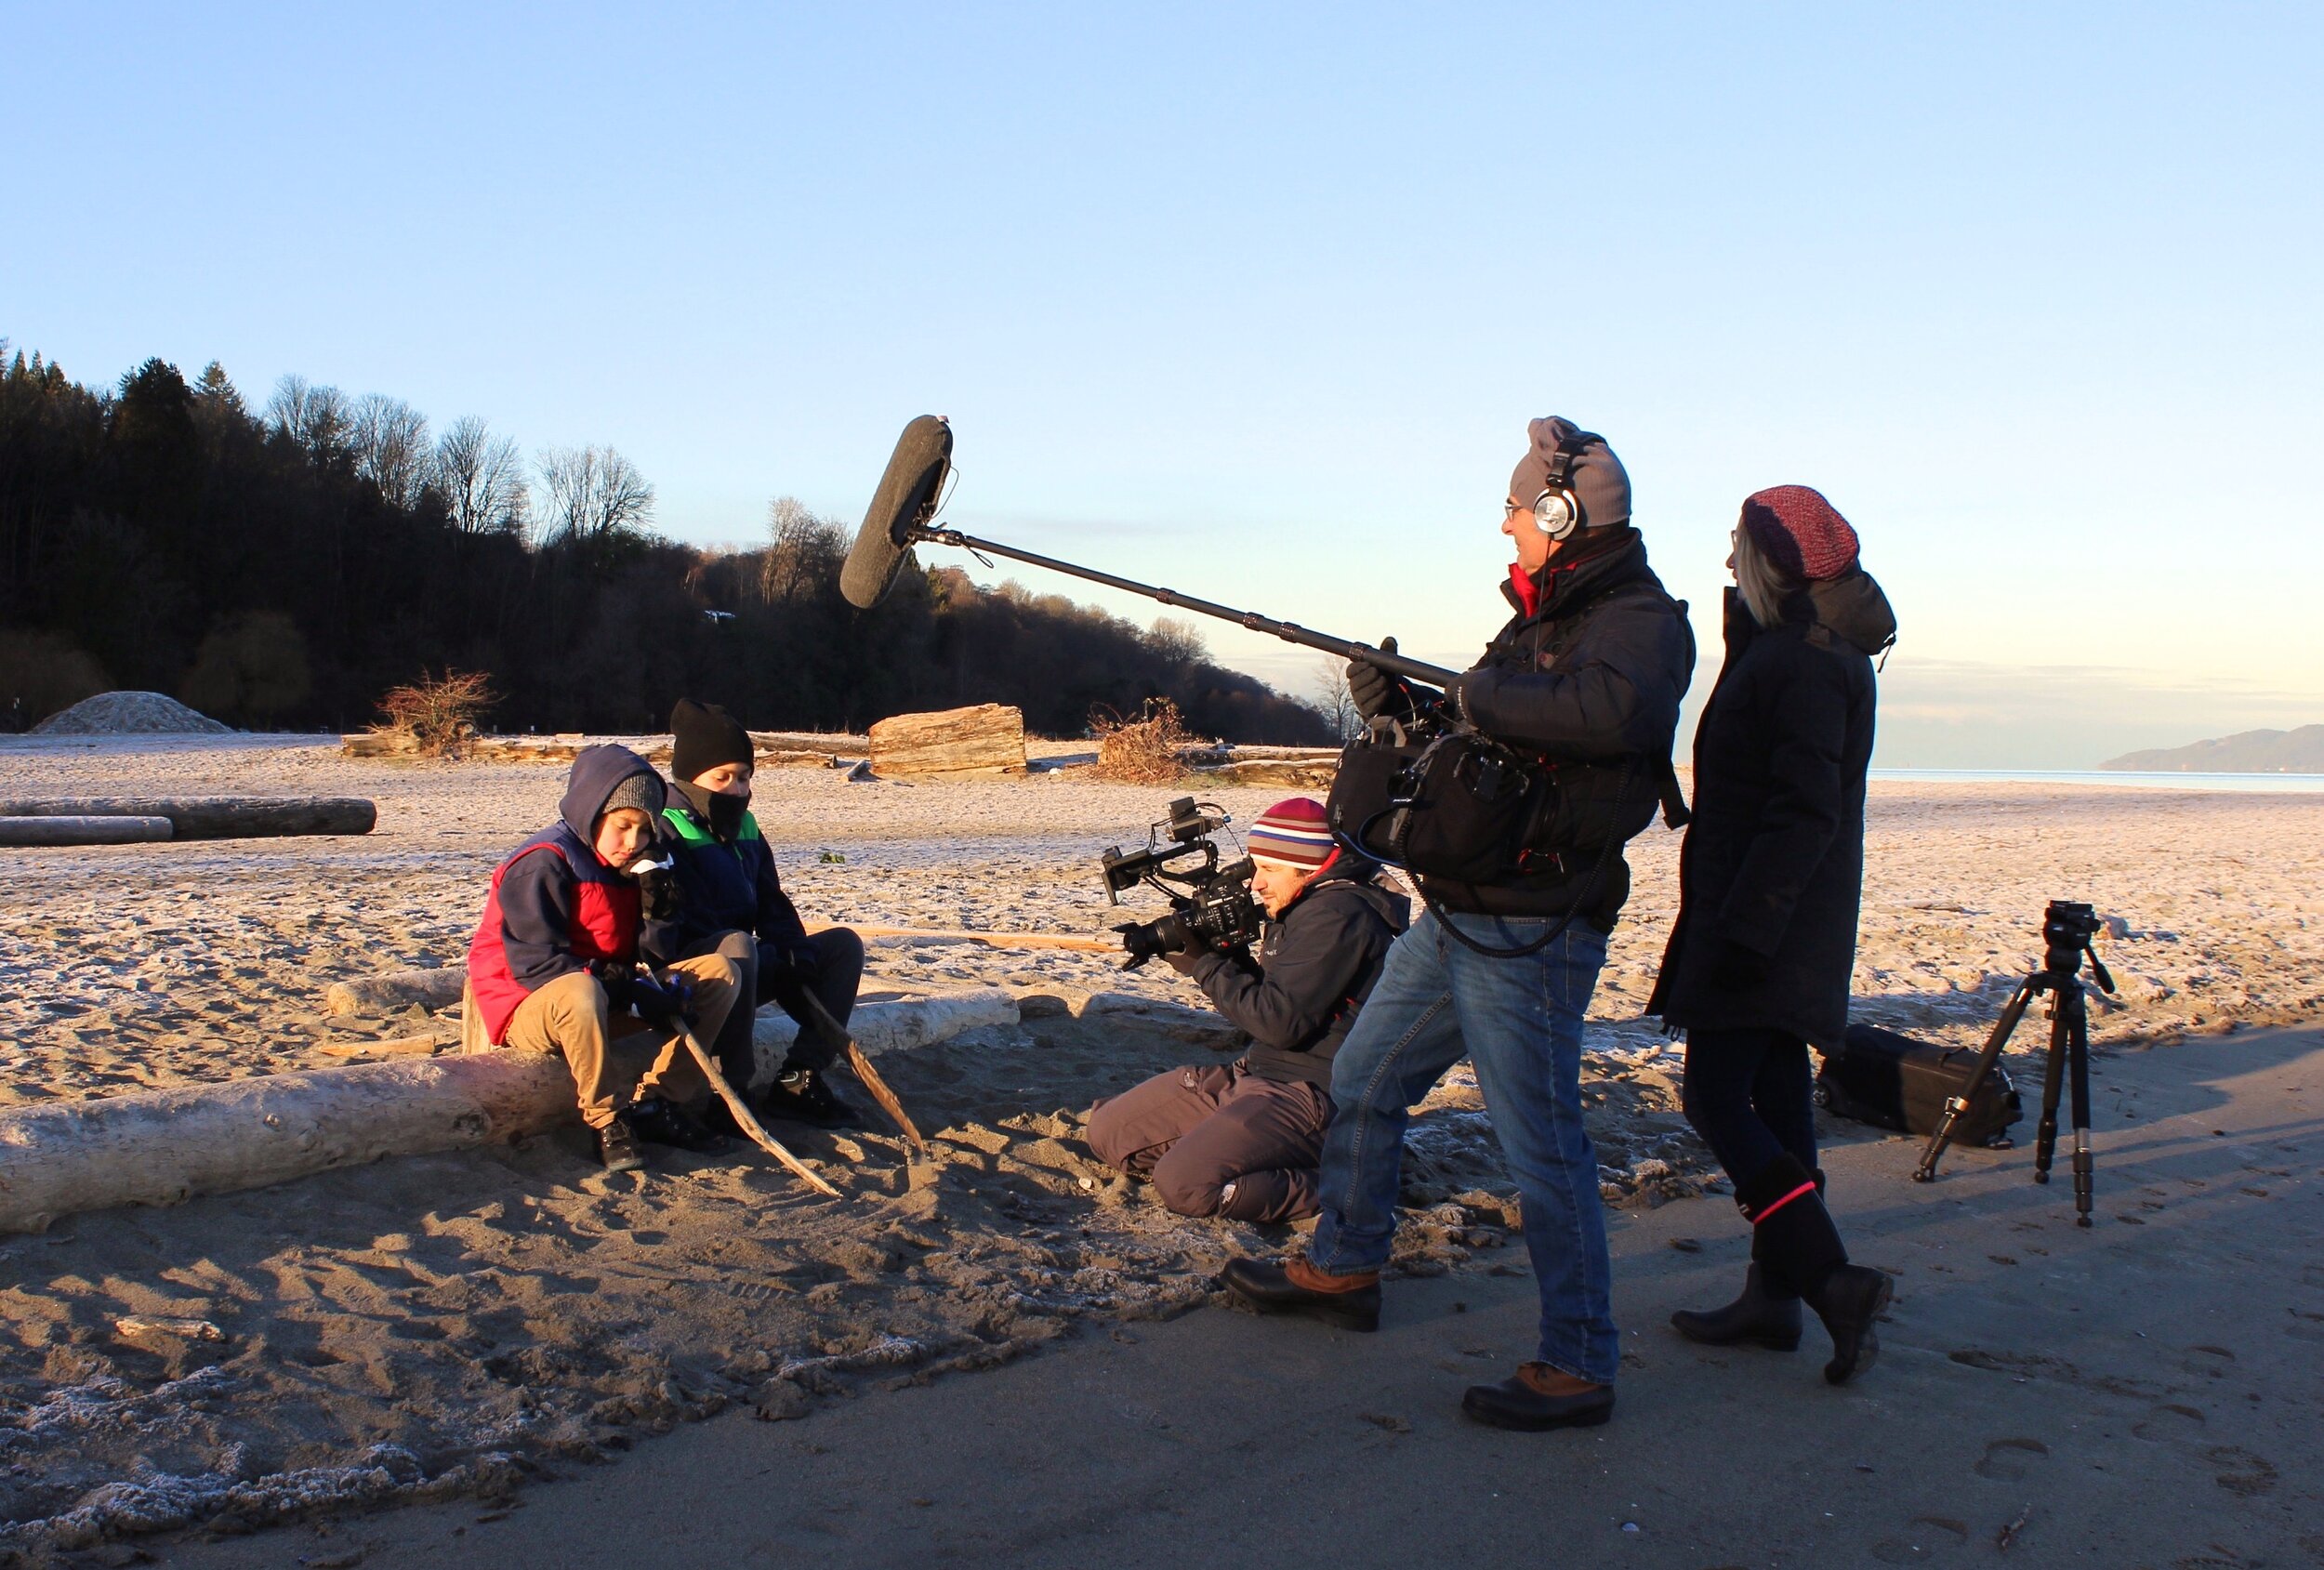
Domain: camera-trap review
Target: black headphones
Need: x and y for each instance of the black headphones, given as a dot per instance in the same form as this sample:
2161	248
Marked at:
1557	511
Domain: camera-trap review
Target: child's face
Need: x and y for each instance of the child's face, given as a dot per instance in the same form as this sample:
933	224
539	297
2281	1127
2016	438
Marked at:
620	834
727	779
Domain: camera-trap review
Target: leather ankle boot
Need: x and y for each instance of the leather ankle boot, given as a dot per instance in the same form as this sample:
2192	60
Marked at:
1848	1302
1539	1397
1758	1317
1350	1302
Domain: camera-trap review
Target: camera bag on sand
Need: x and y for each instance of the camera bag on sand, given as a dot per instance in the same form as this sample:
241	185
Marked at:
1892	1081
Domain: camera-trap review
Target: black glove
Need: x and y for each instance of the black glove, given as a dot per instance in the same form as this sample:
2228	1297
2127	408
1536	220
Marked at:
657	891
1737	968
667	1003
1377	692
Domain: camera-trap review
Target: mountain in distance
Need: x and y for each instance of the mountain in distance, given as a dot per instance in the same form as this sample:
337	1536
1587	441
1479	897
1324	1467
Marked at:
2247	752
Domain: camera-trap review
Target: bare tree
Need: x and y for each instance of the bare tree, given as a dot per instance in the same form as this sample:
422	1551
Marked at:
798	541
317	418
593	493
1177	640
1333	700
388	439
482	478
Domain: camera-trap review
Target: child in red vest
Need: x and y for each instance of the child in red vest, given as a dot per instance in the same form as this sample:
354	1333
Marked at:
553	966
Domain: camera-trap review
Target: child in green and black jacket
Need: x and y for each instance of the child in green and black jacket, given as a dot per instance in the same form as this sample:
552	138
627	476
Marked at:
729	901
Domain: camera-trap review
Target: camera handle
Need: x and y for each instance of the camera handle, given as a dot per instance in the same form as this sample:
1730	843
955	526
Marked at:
1290	632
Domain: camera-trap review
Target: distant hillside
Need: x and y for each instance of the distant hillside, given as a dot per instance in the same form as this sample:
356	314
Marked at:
2250	752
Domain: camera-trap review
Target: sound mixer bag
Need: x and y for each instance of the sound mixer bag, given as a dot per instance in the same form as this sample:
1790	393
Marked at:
1892	1081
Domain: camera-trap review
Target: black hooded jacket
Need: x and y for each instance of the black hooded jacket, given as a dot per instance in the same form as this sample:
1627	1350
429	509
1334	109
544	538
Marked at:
1589	678
1774	862
1298	997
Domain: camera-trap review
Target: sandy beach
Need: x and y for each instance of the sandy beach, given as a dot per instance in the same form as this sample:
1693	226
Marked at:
467	1326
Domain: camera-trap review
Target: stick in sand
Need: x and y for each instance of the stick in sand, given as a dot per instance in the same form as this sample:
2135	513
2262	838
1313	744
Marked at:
742	1118
868	1075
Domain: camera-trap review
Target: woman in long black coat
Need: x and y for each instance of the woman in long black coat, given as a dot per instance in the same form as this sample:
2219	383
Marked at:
1759	961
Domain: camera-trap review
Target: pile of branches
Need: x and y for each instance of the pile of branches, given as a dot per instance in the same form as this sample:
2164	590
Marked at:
439	713
1150	749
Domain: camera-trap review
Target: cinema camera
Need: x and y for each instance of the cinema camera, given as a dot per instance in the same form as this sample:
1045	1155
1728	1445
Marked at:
1211	901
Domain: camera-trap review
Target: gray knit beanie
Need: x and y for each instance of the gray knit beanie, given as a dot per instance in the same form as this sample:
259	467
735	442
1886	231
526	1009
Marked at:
644	792
1599	479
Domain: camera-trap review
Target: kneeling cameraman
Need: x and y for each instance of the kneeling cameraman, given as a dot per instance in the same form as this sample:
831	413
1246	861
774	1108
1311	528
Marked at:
1244	1140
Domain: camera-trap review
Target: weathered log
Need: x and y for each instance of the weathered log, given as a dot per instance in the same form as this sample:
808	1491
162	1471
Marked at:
380	744
161	1147
884	1027
397	989
1281	772
215	817
993	939
952	744
82	831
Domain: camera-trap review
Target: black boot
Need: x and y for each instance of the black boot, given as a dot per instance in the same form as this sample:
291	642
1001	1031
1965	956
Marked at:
1802	1245
1350	1302
617	1149
1759	1317
666	1123
1539	1397
803	1095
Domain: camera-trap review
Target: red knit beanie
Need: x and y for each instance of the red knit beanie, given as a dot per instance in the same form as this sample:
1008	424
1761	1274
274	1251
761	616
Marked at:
1800	532
1293	831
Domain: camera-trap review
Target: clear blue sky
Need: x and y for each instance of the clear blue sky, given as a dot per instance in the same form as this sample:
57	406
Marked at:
1257	301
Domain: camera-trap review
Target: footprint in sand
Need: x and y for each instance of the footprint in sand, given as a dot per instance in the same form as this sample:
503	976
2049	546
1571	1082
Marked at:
2210	1362
2242	1473
2306	1325
2008	1461
1926	1539
2167	1422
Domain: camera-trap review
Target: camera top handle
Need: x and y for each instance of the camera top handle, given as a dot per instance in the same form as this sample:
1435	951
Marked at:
1290	632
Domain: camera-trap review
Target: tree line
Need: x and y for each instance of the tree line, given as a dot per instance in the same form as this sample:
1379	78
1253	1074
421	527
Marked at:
283	566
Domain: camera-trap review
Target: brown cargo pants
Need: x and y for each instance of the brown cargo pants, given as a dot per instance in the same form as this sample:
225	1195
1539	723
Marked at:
617	1059
1198	1131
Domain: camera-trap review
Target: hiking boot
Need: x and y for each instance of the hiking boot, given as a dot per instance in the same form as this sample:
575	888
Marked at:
1848	1301
666	1123
1352	1302
1757	1318
1539	1397
803	1095
618	1148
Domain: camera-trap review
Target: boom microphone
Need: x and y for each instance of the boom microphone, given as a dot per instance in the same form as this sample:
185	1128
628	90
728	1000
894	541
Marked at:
900	515
905	499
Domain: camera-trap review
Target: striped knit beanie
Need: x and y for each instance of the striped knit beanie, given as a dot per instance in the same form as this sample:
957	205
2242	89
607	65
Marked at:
1292	832
1800	532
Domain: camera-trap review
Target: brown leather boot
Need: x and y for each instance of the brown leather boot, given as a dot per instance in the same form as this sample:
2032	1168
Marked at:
1295	1287
1539	1397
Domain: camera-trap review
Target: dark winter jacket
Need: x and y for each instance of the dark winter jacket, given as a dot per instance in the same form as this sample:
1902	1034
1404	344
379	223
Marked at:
554	907
1589	675
1298	997
723	885
1774	862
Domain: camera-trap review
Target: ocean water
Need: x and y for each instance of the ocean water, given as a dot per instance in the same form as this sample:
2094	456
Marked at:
2157	780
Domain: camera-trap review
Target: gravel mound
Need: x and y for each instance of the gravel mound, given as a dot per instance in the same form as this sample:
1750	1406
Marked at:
124	713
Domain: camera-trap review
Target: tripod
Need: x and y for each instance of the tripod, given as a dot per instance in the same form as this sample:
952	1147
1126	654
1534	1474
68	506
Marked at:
2066	929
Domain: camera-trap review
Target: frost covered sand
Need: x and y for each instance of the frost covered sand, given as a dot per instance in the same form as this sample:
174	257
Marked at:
447	1323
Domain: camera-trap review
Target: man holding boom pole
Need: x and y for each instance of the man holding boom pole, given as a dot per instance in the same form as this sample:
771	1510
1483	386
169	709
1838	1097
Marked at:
1586	678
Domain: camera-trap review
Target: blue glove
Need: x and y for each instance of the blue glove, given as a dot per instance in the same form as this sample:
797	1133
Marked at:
668	1003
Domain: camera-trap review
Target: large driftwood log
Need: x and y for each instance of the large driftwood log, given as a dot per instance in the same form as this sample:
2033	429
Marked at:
952	744
1284	773
82	831
215	817
397	989
161	1147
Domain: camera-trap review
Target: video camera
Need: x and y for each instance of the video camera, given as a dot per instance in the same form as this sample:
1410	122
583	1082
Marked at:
1213	901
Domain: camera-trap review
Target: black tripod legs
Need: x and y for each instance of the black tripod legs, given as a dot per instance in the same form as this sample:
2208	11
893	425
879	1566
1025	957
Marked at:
2077	1025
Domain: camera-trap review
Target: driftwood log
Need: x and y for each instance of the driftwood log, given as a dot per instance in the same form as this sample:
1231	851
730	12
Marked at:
215	817
162	1147
397	989
771	750
82	831
952	744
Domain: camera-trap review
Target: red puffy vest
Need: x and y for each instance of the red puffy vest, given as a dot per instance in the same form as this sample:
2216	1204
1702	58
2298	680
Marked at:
605	925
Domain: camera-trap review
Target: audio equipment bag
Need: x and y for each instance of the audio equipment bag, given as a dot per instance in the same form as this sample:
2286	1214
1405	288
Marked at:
1892	1081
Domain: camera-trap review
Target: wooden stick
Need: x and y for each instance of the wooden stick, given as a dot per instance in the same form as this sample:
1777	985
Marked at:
868	1075
742	1116
996	940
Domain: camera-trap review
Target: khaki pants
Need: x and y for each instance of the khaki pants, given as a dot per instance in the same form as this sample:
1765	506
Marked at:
617	1059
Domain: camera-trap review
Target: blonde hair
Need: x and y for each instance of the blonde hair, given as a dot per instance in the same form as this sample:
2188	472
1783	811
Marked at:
1763	584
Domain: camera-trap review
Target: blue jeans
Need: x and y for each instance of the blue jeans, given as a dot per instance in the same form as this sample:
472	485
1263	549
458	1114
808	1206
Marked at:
1520	1022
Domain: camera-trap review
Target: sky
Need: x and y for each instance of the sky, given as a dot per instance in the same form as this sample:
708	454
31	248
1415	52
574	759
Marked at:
1256	302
